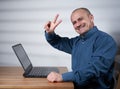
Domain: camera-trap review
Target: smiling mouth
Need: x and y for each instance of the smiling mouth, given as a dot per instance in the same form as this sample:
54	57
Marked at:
80	27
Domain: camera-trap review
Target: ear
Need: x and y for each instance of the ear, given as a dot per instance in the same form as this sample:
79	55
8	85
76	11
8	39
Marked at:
92	18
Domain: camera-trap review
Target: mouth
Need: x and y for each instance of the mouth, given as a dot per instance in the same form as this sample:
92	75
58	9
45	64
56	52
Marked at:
79	28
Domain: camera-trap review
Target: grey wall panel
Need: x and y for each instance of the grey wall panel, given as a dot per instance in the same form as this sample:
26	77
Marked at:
22	21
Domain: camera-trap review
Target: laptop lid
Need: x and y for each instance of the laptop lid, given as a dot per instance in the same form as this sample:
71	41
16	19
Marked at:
22	56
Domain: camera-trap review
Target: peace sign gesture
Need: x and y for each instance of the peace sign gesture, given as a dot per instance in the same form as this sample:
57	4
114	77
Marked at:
51	25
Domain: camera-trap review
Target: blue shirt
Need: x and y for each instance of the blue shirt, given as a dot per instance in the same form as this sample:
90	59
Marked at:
92	57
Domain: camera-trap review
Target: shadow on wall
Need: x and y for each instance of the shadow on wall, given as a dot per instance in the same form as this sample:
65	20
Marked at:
116	36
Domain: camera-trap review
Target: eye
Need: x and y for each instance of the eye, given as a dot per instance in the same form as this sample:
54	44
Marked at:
74	22
80	19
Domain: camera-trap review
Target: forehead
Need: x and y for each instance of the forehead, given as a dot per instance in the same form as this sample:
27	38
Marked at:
78	13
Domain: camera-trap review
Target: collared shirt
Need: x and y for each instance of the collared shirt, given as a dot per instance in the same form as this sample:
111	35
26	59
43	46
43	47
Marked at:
92	57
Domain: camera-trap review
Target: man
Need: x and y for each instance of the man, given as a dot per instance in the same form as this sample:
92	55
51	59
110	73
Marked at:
93	52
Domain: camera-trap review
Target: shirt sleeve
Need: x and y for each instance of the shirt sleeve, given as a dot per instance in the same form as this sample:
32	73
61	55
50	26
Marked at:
100	64
60	43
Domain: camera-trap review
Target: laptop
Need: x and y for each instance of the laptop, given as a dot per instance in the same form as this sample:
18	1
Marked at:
29	70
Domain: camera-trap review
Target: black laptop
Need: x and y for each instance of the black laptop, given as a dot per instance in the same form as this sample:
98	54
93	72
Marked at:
31	71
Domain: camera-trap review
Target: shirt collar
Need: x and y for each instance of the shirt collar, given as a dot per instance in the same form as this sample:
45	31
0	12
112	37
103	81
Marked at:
89	33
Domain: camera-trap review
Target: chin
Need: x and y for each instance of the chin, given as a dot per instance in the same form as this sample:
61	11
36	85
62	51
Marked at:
81	32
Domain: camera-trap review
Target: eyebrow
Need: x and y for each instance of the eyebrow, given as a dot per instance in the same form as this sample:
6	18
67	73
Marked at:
79	19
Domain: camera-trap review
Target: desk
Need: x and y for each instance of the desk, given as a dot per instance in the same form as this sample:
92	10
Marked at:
11	78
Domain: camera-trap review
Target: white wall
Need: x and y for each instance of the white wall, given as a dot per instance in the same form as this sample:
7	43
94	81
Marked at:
22	21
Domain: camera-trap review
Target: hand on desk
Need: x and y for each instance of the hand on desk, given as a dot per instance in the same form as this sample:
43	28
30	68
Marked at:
54	77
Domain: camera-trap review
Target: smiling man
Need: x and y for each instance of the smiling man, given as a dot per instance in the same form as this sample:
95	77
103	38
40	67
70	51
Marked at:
92	52
82	20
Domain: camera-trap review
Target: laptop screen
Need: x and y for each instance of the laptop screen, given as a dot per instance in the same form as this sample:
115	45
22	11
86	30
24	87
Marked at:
22	56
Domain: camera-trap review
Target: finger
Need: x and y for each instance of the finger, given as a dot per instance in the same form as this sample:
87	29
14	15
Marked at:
55	19
47	24
51	79
49	76
57	23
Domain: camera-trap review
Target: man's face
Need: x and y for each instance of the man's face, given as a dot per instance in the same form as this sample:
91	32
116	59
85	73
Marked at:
82	21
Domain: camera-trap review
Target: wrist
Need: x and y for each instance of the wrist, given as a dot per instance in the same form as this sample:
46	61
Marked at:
49	32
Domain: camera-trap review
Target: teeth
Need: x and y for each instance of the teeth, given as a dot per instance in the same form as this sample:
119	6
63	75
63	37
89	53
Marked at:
80	27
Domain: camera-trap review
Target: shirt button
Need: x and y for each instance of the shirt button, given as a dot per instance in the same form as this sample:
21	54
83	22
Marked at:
83	42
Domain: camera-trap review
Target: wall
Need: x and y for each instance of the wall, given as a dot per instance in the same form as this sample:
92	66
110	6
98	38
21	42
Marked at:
22	21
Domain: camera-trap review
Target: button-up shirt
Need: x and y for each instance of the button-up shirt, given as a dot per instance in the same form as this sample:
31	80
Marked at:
92	57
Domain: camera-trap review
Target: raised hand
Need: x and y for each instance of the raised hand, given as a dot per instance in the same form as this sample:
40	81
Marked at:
51	25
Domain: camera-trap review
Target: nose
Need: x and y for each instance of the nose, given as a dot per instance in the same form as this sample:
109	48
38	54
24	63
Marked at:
78	23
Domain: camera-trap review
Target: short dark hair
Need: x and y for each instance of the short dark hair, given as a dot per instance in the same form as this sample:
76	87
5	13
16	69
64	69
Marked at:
82	8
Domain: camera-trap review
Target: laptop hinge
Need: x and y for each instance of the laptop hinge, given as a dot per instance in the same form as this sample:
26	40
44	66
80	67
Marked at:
29	68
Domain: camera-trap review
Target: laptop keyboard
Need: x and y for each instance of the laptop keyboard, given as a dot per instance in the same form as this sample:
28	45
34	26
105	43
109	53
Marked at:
42	71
